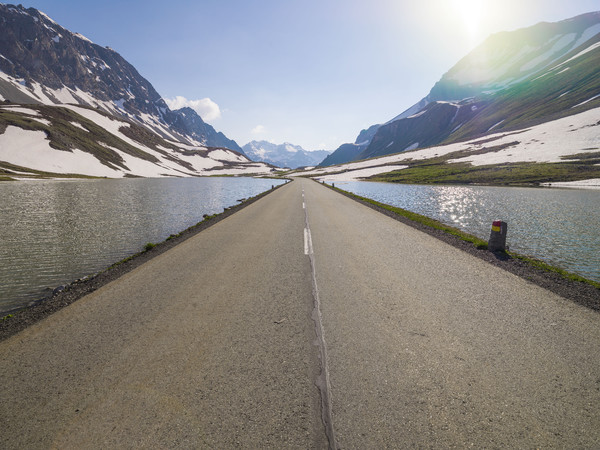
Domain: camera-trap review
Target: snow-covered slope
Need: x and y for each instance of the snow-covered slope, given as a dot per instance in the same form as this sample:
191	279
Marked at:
573	139
44	63
507	58
78	140
283	155
511	81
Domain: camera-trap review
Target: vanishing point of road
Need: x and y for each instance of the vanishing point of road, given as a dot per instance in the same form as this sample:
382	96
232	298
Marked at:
307	320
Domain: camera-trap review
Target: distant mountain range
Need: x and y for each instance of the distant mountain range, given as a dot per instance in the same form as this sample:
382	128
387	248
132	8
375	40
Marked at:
44	67
283	155
512	81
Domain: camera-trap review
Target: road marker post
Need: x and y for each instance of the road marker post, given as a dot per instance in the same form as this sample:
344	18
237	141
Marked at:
497	240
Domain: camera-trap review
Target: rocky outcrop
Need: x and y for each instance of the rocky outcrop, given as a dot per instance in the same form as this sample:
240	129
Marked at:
42	62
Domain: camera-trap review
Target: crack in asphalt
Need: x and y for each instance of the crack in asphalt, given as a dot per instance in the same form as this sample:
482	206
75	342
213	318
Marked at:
322	381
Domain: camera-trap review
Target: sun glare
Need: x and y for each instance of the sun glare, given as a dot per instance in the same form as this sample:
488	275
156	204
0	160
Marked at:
470	12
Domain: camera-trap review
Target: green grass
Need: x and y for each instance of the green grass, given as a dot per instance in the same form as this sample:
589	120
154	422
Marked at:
548	268
502	174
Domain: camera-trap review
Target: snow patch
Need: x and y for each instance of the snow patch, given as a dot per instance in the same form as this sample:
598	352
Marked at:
411	147
587	35
560	44
64	95
587	101
355	175
593	183
495	125
43	121
581	53
6	59
81	36
224	155
78	125
414	116
32	149
20	109
44	15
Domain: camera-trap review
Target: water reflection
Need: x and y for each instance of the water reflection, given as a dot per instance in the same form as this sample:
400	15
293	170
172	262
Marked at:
53	232
560	226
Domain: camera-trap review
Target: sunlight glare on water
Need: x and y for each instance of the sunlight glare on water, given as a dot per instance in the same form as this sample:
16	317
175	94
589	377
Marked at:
559	226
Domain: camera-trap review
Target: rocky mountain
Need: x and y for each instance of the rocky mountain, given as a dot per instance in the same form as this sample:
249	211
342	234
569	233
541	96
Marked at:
349	152
41	141
513	80
43	63
283	155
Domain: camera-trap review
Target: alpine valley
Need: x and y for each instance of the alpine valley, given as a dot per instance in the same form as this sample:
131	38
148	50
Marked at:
522	108
69	107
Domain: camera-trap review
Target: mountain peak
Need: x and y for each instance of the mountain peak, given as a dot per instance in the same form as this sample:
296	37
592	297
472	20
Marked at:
511	81
283	155
42	62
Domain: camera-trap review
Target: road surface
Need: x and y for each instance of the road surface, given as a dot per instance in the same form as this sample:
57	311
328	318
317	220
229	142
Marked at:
307	320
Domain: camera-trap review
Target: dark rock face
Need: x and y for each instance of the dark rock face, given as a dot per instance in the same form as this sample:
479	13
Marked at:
187	121
511	81
41	54
350	152
35	48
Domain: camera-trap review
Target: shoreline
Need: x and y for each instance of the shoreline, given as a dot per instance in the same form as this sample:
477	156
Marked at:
17	320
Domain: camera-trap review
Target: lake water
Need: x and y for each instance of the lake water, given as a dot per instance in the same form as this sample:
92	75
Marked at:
54	232
558	226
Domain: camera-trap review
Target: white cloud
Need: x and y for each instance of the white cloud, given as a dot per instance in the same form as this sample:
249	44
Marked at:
205	107
258	129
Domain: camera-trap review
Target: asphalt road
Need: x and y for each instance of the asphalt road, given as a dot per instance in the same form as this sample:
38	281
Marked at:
307	320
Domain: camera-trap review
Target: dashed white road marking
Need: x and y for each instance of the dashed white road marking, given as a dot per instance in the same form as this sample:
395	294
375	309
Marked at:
308	249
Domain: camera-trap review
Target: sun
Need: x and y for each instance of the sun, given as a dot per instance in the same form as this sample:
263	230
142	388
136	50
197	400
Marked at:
471	14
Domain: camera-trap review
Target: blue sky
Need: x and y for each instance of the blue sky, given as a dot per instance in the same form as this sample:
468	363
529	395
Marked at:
310	72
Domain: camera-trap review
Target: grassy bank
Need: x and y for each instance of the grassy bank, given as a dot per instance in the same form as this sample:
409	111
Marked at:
439	171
